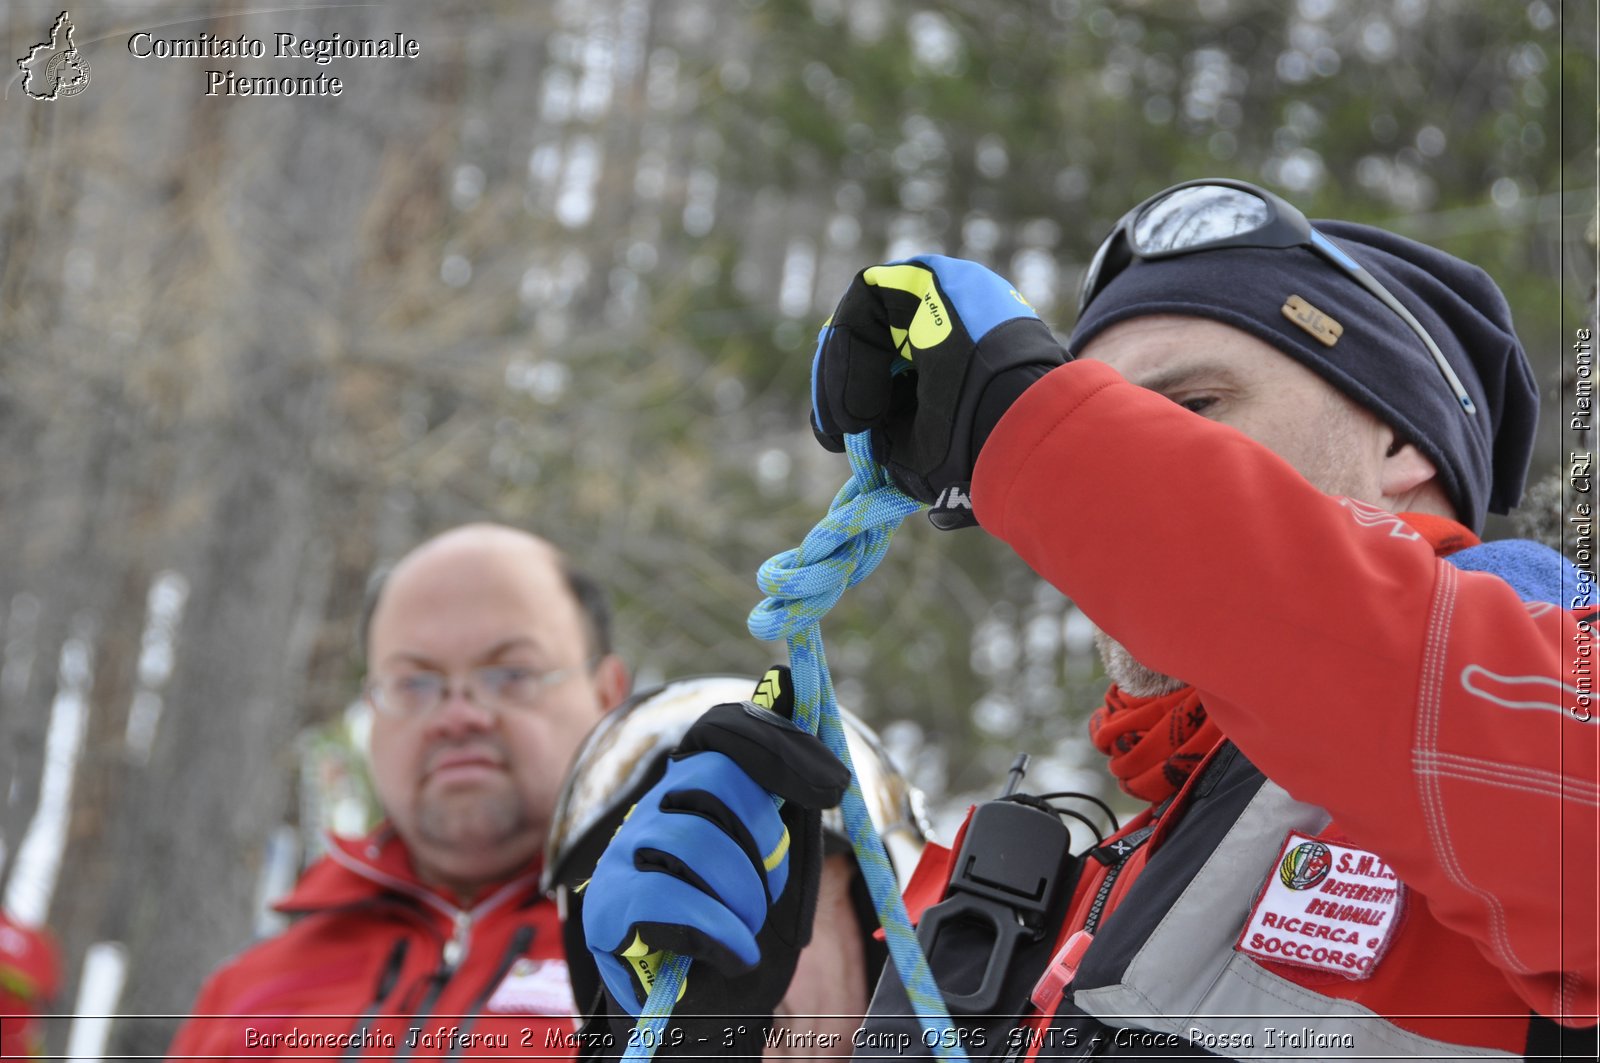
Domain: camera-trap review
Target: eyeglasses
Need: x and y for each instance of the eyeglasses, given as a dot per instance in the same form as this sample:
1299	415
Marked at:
416	694
1213	214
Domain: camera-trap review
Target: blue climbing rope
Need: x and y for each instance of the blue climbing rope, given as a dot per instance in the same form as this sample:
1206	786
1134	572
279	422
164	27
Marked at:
801	585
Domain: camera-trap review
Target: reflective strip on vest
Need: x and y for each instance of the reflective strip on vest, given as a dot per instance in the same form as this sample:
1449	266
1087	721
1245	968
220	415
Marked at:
1187	976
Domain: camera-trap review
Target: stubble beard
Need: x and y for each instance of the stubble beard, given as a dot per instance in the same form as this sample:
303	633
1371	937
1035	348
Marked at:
468	822
1131	676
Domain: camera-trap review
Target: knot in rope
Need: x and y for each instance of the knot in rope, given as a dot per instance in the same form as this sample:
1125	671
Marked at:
802	584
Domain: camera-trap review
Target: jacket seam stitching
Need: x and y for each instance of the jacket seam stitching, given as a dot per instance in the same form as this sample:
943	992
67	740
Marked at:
1485	772
1434	806
1486	779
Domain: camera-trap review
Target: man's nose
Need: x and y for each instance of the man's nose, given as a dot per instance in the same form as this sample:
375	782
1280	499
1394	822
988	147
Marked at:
460	710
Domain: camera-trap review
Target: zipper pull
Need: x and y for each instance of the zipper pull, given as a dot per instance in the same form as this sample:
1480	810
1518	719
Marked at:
457	945
1051	987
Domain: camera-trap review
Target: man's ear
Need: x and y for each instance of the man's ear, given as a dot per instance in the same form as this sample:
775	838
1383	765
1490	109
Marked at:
612	681
1410	482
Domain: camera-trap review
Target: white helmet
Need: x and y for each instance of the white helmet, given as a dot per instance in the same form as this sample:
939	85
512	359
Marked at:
626	753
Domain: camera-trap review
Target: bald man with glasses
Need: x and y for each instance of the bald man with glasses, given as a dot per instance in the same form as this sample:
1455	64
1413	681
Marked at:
489	659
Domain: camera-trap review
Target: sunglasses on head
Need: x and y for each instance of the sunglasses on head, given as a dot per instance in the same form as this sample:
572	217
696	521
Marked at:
1212	214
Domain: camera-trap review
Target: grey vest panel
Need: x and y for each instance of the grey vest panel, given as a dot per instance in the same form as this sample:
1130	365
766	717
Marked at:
1187	979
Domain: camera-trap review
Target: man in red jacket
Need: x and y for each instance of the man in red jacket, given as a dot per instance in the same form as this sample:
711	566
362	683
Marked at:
1366	738
30	975
489	659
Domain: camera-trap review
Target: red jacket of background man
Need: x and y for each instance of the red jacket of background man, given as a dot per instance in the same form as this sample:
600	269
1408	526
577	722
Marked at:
30	974
1445	725
377	965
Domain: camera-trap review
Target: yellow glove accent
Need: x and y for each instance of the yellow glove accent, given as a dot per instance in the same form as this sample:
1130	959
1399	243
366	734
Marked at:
625	817
769	690
646	964
930	325
780	851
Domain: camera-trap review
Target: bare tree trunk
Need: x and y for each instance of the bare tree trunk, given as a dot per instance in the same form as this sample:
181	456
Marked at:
30	297
219	778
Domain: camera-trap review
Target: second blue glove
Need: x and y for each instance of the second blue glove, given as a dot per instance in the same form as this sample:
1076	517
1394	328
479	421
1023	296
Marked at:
706	866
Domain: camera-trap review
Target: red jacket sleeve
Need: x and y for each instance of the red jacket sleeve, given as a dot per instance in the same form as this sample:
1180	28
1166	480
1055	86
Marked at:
194	1037
1442	721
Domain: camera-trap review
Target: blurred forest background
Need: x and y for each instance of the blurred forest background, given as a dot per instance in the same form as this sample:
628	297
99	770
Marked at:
564	270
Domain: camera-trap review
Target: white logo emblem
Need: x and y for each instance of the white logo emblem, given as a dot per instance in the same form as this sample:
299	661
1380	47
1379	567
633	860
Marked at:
55	68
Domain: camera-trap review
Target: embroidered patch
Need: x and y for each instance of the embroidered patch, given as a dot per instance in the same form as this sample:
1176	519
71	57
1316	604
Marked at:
1327	906
534	987
1324	329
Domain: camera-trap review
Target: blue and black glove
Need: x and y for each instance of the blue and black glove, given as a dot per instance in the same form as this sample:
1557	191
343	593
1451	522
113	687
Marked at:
706	866
927	353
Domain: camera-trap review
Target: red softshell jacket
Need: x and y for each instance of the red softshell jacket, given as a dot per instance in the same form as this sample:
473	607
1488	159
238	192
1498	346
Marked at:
1443	722
30	975
377	965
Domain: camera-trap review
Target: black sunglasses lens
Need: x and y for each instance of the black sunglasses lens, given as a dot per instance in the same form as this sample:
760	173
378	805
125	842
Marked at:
1196	216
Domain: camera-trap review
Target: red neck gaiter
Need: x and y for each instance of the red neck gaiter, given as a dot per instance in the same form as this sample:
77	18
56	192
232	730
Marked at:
1155	743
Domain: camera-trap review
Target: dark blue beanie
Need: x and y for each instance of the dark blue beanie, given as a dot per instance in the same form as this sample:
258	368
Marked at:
1378	361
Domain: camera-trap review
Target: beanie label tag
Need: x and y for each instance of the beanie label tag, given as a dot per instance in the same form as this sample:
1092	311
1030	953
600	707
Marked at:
1322	327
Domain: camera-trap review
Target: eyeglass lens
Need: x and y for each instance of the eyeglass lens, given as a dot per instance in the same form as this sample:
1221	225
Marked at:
489	687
